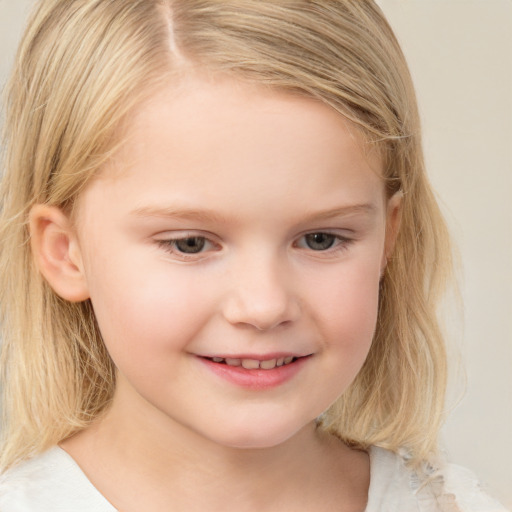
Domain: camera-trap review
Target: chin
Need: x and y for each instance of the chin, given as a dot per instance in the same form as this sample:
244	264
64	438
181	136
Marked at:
257	435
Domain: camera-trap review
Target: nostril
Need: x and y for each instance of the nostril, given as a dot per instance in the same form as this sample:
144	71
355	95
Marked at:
262	305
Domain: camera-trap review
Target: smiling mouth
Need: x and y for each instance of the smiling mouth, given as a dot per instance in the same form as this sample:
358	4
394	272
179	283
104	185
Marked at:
256	373
255	364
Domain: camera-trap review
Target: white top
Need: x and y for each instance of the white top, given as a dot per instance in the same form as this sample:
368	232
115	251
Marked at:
53	482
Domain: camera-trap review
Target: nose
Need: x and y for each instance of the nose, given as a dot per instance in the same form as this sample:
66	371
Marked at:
261	296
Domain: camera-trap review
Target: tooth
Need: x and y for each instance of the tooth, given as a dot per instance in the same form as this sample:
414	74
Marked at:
268	365
250	364
280	361
233	362
288	360
217	359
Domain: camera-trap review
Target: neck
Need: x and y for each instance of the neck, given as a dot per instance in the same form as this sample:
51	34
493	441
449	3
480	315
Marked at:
174	464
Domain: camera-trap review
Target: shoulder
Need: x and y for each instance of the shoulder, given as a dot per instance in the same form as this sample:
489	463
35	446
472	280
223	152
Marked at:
394	485
50	482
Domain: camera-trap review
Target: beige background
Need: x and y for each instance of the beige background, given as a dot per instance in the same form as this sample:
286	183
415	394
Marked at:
460	53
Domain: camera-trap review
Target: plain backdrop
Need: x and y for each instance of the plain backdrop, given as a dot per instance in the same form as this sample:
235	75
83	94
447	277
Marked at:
460	54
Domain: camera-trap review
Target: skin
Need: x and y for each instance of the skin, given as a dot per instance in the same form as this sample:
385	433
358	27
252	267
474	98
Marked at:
249	173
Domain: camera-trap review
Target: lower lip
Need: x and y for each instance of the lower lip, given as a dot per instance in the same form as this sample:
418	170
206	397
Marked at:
256	379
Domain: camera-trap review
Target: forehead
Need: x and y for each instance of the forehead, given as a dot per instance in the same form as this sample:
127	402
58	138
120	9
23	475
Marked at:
208	106
220	139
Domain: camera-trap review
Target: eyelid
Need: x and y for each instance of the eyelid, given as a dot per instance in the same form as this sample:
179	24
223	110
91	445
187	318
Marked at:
341	244
167	243
184	234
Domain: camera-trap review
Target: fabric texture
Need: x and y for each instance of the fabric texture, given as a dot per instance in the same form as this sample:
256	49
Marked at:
450	488
53	482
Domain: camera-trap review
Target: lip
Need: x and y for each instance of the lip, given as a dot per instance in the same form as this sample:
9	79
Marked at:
256	379
257	357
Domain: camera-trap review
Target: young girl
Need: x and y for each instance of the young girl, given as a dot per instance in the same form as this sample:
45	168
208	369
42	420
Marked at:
220	264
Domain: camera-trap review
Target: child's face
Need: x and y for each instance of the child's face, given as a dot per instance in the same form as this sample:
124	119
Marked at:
282	228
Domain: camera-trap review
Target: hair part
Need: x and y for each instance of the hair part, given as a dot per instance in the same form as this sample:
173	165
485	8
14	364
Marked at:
83	67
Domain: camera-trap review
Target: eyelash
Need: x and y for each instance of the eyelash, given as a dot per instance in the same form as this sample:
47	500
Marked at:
170	245
340	243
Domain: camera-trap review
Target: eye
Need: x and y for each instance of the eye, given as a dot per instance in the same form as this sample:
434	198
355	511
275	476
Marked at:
191	245
320	241
188	246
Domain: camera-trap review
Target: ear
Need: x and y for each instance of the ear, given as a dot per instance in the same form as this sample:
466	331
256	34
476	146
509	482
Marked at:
393	218
57	253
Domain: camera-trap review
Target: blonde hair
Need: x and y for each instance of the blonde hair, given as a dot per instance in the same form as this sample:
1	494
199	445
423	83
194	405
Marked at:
82	67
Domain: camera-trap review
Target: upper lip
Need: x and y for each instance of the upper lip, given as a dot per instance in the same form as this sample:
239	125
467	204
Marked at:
256	357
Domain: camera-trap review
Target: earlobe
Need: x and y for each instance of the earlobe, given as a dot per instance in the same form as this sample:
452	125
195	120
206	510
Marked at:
393	218
56	252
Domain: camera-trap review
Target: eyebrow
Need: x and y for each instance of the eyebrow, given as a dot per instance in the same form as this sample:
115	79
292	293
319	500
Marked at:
366	208
191	214
211	216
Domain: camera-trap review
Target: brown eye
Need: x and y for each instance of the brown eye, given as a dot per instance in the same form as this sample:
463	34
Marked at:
320	241
191	245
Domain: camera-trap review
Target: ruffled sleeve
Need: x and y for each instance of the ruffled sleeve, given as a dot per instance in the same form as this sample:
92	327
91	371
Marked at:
451	488
394	486
463	488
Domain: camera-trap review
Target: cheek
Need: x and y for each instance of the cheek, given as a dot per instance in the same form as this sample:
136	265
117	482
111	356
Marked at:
146	308
344	306
346	309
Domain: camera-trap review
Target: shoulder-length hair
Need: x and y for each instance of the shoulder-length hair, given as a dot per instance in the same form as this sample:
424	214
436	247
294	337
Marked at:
82	67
